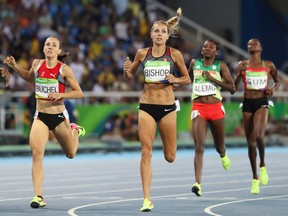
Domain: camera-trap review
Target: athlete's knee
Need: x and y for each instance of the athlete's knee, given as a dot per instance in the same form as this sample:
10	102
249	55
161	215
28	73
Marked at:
71	155
146	152
259	139
170	157
199	148
37	155
252	146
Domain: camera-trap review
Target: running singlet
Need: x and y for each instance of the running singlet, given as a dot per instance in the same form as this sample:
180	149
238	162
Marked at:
256	78
156	69
48	80
202	86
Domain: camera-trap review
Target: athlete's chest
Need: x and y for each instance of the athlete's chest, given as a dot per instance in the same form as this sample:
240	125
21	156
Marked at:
50	73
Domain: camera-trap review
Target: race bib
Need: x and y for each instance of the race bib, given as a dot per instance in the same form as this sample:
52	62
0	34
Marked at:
256	81
156	71
44	86
204	88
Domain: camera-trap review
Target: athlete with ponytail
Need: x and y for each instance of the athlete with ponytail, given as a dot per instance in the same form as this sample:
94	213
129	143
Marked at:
50	76
157	103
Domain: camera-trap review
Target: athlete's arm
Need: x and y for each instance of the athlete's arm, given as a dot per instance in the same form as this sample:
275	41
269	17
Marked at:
25	74
227	83
180	64
5	73
130	68
190	69
241	66
275	77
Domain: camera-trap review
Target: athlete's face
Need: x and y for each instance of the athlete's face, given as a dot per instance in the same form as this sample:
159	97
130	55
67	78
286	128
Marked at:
253	46
159	33
52	47
209	49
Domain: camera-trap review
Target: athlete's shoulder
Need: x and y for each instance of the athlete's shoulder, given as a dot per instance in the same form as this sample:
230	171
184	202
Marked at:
37	61
198	61
174	50
64	66
243	62
268	63
143	50
217	61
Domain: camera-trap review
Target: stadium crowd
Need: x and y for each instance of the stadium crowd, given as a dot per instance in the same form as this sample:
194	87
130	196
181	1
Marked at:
98	34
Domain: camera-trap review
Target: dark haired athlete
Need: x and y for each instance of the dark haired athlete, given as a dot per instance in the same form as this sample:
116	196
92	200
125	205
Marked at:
255	74
51	76
208	77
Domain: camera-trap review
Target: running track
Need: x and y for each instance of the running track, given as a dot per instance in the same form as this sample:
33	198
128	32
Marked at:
109	184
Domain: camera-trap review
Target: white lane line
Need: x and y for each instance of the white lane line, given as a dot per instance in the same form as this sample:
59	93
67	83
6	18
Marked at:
208	209
72	211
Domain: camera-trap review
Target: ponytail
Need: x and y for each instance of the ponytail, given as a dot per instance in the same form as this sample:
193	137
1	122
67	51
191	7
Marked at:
172	24
63	57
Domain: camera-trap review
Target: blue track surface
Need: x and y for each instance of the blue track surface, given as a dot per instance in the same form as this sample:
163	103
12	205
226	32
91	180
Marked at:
109	184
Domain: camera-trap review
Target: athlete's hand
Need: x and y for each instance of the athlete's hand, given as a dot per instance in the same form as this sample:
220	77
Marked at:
55	96
207	74
5	74
126	68
243	67
171	78
269	92
10	61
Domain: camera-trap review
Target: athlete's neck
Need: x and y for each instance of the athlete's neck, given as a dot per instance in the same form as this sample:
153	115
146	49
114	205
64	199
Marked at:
158	50
50	63
208	61
255	59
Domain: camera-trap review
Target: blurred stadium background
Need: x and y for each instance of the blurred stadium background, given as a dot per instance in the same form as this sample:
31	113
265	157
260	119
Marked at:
99	34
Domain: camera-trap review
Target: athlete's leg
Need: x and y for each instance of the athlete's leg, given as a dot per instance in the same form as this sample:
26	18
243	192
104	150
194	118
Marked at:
218	133
167	129
147	130
38	138
67	138
251	141
259	121
199	129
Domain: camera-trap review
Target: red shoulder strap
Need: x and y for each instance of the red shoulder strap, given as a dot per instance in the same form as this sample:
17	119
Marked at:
168	52
149	51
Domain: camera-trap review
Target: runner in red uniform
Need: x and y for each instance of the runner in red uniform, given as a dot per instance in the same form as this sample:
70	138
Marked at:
50	76
255	74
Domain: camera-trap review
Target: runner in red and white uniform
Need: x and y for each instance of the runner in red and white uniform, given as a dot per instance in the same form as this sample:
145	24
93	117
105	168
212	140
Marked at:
255	74
50	76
